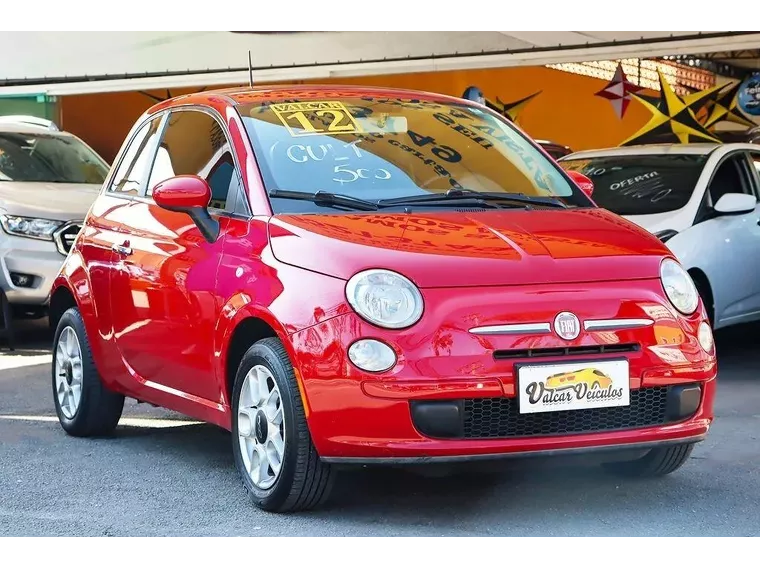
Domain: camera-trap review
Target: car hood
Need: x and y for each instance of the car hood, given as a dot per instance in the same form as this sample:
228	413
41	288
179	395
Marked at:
672	220
58	201
471	249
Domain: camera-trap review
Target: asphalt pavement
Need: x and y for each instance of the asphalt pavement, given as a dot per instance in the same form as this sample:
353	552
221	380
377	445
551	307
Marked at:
163	474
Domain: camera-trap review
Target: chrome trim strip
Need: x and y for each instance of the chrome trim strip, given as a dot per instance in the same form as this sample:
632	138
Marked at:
609	324
512	329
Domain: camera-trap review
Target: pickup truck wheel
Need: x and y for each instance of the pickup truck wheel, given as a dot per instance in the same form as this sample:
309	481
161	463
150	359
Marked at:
657	462
85	407
271	443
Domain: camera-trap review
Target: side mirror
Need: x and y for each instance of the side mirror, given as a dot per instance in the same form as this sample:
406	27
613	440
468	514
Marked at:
191	195
586	185
735	204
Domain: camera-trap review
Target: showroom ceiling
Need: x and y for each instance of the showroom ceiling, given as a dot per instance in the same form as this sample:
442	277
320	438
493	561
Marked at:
746	58
60	63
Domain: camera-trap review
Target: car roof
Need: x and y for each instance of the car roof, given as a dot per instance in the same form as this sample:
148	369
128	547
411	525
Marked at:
265	93
13	128
268	92
661	149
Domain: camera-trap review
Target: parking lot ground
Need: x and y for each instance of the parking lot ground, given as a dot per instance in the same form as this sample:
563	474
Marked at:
163	474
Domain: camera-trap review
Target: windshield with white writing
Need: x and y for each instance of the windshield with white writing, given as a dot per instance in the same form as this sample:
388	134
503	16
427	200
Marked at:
378	148
641	185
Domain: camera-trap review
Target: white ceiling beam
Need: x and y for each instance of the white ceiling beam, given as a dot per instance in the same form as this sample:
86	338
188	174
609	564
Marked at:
589	53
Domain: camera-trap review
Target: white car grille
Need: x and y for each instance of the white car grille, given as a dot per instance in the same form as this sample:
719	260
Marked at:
66	235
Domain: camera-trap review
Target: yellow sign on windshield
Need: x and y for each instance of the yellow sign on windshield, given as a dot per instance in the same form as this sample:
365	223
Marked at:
316	117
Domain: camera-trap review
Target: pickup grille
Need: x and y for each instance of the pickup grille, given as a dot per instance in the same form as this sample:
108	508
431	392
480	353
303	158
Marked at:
66	235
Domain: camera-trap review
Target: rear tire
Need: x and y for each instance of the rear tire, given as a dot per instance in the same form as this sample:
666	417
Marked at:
657	462
271	442
85	407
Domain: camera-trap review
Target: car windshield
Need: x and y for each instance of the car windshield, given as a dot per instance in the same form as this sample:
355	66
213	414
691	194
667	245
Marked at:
641	184
49	158
374	148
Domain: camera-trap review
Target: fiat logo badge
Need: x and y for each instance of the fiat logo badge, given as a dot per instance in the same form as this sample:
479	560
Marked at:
567	326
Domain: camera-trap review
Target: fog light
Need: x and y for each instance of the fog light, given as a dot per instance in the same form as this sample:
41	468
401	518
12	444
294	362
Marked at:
705	337
22	280
372	355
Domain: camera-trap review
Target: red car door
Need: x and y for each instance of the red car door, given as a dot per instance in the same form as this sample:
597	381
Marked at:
163	286
104	229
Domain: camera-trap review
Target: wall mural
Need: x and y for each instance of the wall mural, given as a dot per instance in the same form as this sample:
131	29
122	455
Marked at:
509	110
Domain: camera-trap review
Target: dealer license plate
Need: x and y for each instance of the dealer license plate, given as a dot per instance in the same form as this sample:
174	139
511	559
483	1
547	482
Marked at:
573	386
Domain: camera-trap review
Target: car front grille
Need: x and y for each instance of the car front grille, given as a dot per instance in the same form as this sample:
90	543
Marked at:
489	418
566	351
501	418
66	235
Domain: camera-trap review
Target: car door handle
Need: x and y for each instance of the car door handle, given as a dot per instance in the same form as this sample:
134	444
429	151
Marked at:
123	250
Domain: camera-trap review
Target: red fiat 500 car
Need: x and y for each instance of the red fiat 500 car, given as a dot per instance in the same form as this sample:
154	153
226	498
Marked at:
356	275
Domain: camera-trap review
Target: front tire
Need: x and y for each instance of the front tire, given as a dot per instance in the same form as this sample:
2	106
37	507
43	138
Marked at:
85	407
657	462
271	443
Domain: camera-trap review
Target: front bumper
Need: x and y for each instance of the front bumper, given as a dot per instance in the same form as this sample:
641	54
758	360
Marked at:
452	395
40	260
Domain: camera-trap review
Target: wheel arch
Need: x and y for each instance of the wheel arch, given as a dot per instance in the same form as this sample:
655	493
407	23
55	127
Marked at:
61	300
702	282
72	288
247	332
247	326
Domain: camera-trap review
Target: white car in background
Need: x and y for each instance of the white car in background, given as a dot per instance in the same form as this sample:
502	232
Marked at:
702	201
48	181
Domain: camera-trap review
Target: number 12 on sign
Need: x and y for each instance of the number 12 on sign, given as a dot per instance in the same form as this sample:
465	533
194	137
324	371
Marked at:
311	121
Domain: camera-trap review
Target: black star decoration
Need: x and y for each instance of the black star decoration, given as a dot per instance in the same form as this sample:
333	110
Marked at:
724	108
673	118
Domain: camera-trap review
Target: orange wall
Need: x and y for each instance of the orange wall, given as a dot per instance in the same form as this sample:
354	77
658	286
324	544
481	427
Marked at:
566	111
103	120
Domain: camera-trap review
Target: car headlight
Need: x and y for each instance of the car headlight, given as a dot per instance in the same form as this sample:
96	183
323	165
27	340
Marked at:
679	287
385	298
29	227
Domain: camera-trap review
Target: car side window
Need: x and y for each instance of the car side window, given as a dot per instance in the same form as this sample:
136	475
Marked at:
755	161
731	176
134	164
194	143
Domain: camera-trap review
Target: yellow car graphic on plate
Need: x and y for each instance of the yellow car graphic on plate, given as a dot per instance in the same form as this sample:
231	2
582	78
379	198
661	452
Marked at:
593	378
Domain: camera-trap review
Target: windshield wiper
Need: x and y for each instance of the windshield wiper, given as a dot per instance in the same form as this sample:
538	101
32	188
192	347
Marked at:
455	193
326	198
483	199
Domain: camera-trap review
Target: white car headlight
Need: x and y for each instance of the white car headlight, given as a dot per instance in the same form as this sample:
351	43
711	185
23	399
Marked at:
385	298
29	227
679	287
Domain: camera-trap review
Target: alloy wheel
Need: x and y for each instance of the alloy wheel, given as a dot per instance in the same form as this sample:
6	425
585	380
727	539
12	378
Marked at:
68	372
261	427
